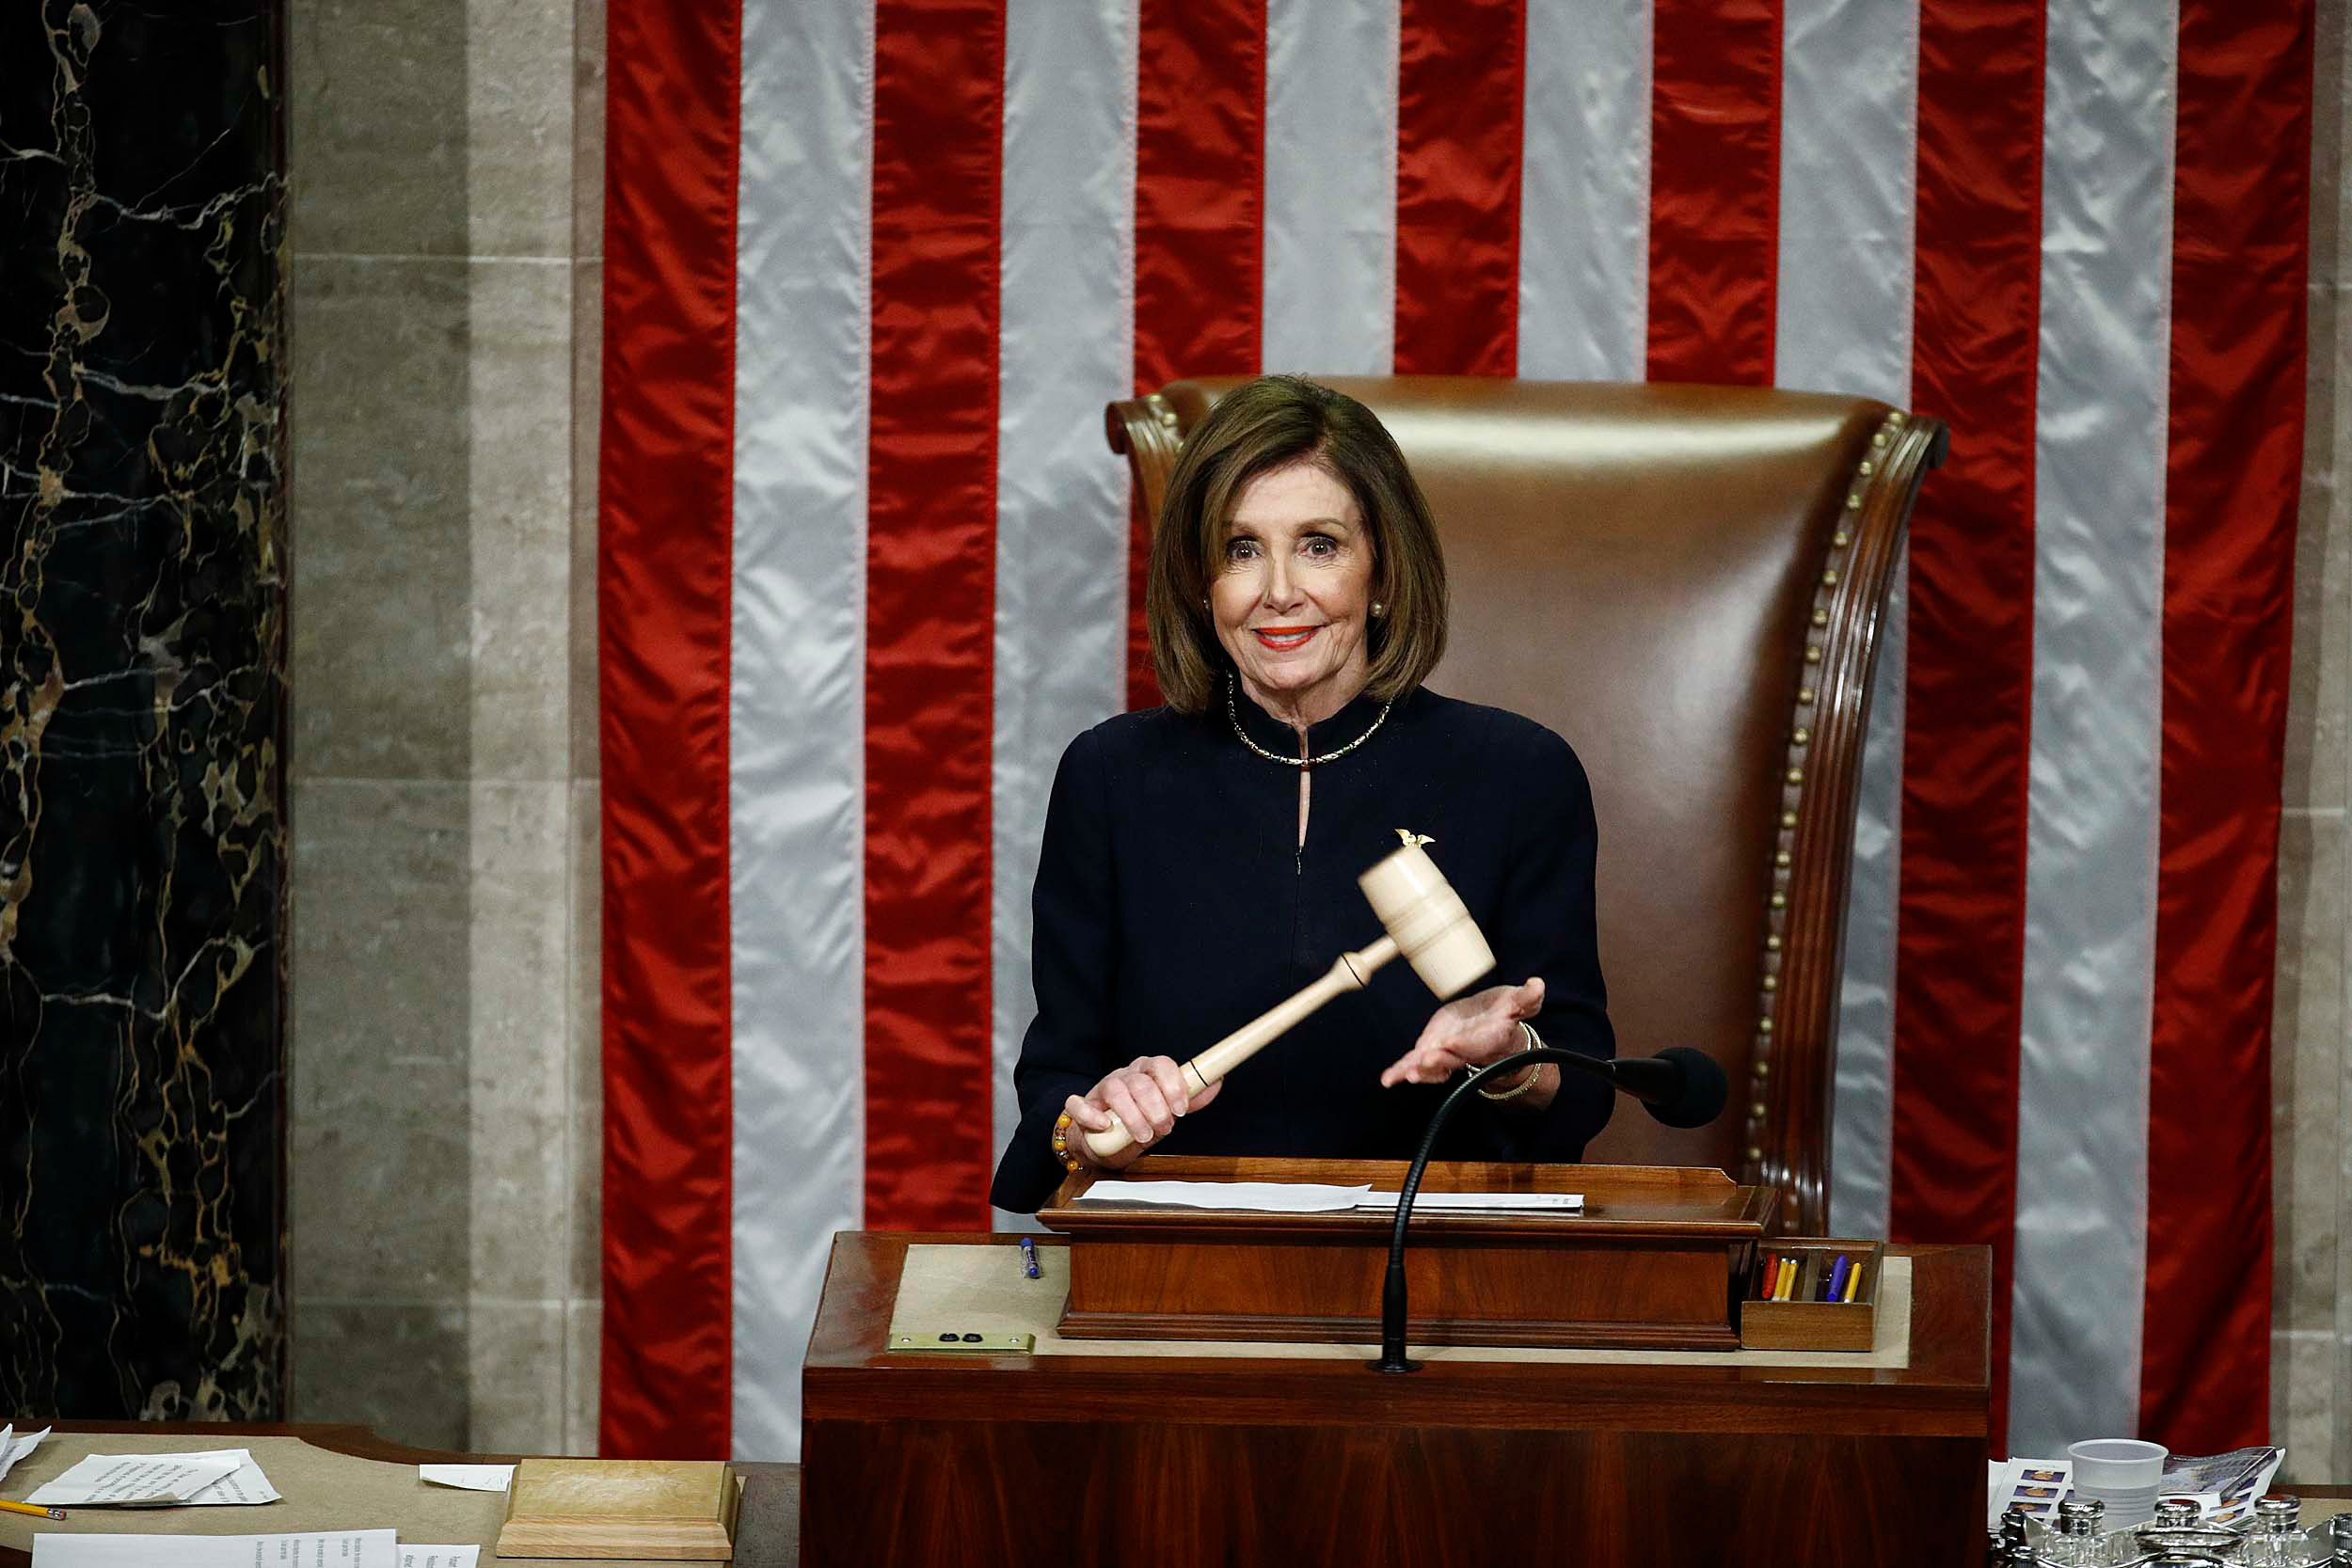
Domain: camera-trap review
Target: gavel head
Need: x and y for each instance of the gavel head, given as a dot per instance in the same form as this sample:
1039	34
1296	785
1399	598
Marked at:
1428	920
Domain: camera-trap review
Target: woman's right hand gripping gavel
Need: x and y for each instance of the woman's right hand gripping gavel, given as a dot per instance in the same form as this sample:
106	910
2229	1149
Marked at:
1146	1097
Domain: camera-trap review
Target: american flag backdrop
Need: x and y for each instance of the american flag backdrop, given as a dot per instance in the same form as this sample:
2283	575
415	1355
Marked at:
874	266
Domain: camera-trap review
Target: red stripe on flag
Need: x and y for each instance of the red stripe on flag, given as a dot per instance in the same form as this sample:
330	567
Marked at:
1714	228
1200	221
1960	946
1461	76
665	558
2240	253
939	72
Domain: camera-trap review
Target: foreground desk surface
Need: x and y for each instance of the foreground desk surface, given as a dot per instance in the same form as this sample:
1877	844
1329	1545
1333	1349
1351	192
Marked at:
1174	1460
343	1477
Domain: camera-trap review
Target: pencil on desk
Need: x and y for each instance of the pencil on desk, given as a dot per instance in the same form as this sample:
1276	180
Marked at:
36	1509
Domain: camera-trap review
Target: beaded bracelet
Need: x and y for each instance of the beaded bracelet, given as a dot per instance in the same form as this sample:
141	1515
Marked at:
1062	1143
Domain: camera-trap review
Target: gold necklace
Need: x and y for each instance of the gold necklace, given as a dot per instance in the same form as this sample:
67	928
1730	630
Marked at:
1233	714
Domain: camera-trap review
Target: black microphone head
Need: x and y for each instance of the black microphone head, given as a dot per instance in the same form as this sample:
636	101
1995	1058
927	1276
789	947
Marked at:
1703	1092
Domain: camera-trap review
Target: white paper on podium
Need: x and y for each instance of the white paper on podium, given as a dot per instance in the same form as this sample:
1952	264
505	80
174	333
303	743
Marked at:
332	1548
13	1448
243	1484
440	1557
138	1479
1482	1203
471	1477
1269	1198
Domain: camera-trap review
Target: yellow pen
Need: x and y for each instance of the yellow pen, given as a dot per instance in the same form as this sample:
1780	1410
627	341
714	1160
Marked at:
1853	1283
36	1509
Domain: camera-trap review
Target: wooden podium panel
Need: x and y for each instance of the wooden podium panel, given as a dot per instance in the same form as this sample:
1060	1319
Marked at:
1280	1460
1649	1263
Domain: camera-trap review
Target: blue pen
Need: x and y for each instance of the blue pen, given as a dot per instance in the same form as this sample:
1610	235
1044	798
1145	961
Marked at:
1028	1257
1837	1278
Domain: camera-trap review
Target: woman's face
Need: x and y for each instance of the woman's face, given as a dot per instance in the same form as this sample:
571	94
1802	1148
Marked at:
1293	591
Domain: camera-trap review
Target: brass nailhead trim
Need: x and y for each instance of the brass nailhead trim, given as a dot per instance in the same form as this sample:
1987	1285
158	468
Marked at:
1801	736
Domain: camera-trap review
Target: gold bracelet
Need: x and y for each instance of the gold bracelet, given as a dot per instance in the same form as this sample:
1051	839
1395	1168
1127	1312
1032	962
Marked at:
1534	1070
1062	1144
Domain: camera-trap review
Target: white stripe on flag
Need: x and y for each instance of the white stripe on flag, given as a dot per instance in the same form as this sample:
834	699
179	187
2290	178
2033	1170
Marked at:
2090	848
1065	349
1584	191
1850	82
1330	187
797	721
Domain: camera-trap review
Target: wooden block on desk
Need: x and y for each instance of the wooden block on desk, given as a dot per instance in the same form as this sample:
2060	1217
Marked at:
679	1510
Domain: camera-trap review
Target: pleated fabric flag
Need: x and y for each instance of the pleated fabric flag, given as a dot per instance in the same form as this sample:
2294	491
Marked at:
874	266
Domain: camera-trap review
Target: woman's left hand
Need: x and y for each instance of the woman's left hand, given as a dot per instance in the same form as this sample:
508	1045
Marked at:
1469	1032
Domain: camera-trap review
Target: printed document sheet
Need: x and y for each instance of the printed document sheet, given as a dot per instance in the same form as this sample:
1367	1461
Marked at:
212	1478
340	1549
1309	1197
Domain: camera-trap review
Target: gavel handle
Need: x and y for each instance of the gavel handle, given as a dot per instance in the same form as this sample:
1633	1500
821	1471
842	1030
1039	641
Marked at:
1349	973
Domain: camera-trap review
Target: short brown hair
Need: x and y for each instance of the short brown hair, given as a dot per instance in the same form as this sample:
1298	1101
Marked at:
1256	428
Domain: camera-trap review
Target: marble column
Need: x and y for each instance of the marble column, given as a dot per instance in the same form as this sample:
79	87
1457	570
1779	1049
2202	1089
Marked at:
142	711
446	1136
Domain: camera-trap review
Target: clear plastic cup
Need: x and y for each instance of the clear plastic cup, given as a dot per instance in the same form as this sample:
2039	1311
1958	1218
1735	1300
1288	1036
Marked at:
2122	1472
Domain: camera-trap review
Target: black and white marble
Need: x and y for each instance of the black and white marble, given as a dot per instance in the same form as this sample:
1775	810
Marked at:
143	710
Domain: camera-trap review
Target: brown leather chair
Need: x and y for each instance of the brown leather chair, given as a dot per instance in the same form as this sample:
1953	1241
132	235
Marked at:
1686	582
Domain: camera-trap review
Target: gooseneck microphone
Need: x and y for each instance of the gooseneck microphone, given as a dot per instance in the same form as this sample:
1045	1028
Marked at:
1679	1087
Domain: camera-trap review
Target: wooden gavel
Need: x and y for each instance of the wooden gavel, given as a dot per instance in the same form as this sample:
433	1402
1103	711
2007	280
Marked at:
1423	918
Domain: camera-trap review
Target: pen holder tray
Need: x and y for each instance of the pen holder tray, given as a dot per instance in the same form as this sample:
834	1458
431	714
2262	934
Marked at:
1803	1322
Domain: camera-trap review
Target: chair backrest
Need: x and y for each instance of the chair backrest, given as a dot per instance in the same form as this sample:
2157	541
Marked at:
1687	584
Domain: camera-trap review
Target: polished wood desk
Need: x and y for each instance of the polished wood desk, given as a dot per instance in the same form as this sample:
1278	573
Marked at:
1181	1460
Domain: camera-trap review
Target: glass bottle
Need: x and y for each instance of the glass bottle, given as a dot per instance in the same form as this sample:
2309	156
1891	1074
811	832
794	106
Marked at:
2276	1539
2082	1530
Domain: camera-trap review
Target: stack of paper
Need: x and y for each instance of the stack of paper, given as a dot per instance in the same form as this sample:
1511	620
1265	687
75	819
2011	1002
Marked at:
1309	1197
1268	1198
1481	1203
